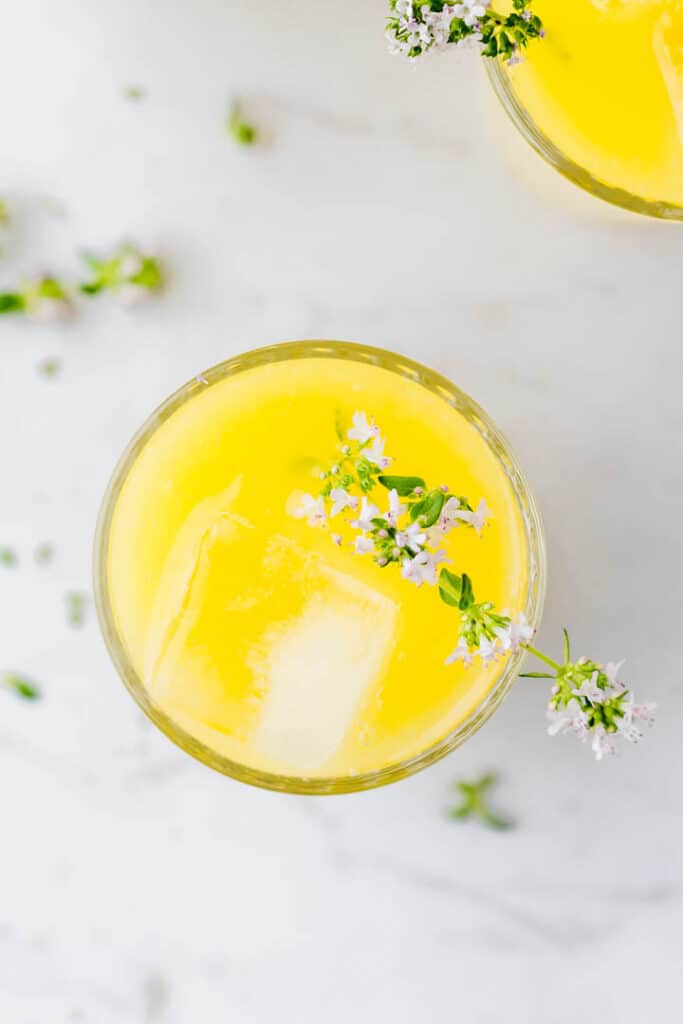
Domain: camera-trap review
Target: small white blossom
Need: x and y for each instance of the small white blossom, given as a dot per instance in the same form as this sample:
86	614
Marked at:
515	634
477	519
612	671
446	522
471	11
363	545
375	453
423	567
634	713
488	651
603	745
461	653
341	499
337	538
569	719
396	509
309	508
368	512
412	537
363	430
591	691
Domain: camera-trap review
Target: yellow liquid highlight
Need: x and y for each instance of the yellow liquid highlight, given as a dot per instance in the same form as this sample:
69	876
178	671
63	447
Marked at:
254	632
606	87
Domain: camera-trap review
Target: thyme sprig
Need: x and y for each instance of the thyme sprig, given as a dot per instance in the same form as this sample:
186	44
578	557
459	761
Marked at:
414	29
587	697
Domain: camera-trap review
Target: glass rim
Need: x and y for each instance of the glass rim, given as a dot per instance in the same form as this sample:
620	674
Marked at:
506	458
501	83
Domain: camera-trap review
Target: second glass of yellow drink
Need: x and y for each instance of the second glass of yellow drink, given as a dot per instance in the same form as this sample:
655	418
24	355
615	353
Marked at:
600	97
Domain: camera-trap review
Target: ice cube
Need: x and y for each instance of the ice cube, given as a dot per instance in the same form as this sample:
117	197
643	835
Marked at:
319	669
667	39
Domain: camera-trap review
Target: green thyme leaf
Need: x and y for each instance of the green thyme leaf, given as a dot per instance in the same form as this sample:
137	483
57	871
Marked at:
134	93
12	302
429	509
76	603
475	804
22	686
8	557
49	368
44	553
242	131
403	485
467	594
450	587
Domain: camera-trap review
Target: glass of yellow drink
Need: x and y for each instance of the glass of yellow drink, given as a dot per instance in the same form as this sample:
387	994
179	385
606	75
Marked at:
601	98
272	651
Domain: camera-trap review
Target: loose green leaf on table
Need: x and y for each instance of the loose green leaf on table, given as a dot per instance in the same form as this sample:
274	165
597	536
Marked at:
475	803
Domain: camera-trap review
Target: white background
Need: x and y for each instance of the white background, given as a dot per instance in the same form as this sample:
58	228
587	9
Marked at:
388	206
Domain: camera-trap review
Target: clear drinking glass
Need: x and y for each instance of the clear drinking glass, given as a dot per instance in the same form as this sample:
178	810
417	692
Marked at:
445	390
503	86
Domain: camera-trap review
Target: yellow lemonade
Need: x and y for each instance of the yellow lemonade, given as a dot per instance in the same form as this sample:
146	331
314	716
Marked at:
270	642
605	86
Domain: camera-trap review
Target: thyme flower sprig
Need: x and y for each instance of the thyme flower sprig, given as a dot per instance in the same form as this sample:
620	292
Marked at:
414	29
44	298
587	698
129	273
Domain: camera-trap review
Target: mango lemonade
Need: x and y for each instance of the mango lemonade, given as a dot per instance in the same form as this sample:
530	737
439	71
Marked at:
275	645
605	86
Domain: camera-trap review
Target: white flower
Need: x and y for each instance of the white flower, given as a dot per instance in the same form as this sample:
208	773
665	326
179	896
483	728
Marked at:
570	719
337	538
375	453
305	506
130	294
446	522
131	264
412	537
368	512
603	745
363	545
471	11
461	653
488	651
50	311
518	632
396	509
423	567
611	671
362	430
341	499
635	713
591	691
476	519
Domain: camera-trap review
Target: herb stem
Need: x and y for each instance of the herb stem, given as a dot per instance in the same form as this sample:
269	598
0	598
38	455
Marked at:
543	657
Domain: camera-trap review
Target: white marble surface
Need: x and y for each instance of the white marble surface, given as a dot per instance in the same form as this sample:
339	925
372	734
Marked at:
137	887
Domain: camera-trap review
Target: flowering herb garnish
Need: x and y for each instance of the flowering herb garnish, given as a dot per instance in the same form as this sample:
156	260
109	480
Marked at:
45	299
76	604
474	804
409	531
241	130
129	273
589	699
20	685
415	28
